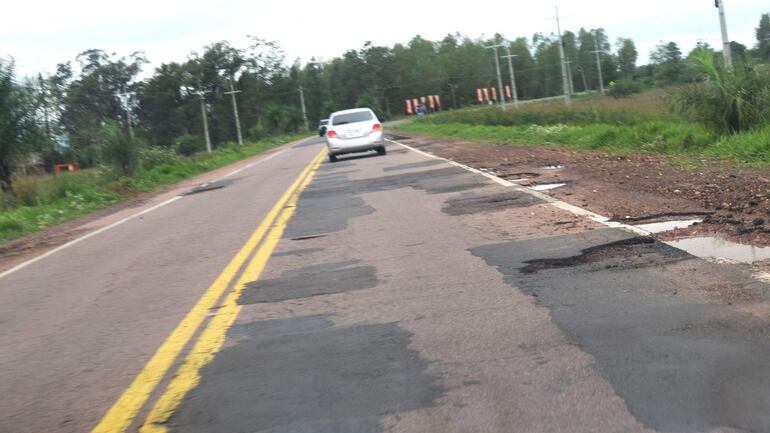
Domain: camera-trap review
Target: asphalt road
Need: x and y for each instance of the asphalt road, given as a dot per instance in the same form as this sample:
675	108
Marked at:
378	294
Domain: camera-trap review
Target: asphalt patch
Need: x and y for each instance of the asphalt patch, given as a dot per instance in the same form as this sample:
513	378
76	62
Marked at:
679	364
473	203
305	375
210	186
432	181
305	283
322	215
298	252
411	165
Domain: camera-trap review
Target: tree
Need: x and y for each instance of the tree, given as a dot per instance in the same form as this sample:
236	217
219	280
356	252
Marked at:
763	38
17	126
667	63
89	100
627	56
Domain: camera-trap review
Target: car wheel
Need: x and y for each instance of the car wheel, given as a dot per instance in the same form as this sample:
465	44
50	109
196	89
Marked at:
381	150
332	157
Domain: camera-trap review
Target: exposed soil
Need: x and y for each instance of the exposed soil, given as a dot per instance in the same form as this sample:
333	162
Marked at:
733	202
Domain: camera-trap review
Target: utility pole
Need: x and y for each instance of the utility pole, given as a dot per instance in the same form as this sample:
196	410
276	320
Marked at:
499	78
510	57
597	51
726	49
204	115
125	100
564	77
232	93
302	103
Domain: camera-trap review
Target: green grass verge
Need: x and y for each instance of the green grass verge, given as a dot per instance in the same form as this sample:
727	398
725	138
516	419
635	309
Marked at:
685	141
48	200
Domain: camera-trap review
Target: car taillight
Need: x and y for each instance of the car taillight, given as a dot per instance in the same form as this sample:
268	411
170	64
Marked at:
376	127
331	134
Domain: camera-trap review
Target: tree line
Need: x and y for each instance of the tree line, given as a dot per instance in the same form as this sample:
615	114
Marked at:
62	117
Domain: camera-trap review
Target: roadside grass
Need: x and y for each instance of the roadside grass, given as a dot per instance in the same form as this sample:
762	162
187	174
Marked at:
589	109
658	137
641	123
44	201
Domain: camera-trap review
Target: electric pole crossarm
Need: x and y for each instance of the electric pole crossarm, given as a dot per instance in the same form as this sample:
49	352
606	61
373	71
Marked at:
564	76
232	93
597	51
201	94
510	57
499	78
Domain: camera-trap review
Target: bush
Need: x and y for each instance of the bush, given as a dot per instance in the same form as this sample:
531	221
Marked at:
153	156
26	190
256	133
120	150
188	144
625	88
726	101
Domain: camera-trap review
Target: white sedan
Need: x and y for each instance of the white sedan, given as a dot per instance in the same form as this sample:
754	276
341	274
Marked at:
352	131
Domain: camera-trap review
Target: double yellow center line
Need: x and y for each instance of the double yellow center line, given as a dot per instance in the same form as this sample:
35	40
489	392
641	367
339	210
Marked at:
264	239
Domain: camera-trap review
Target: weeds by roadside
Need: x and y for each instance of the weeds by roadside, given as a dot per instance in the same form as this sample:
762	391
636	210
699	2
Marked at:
44	201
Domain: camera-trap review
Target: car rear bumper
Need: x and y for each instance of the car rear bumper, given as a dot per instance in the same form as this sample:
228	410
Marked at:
337	146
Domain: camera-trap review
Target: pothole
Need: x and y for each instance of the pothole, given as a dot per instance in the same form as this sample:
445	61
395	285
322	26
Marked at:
719	248
667	226
619	249
552	167
546	186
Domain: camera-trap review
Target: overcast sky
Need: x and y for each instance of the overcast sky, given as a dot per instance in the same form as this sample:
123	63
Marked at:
40	34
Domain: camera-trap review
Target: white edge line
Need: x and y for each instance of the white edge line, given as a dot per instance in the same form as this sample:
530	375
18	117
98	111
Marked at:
49	253
86	236
575	210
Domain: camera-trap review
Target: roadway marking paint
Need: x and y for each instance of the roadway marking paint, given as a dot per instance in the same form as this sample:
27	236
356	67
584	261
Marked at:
23	265
213	336
575	210
125	409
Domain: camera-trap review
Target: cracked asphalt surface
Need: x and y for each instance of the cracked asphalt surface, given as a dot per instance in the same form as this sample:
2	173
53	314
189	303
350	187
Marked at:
405	295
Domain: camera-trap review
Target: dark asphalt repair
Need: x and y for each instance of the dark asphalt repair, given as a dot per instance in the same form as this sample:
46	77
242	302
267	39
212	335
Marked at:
211	186
328	204
305	375
680	365
474	203
411	165
297	252
314	281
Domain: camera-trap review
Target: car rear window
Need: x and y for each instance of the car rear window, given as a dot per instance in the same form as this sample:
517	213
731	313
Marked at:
356	116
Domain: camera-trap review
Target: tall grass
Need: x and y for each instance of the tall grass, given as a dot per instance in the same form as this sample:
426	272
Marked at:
646	107
657	137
